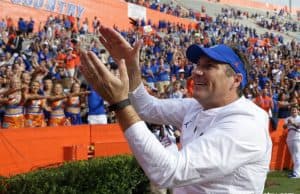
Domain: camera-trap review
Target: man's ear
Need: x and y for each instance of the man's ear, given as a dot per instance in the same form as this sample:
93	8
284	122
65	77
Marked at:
237	80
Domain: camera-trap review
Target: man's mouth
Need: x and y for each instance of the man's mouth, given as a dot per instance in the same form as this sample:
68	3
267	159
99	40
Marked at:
200	84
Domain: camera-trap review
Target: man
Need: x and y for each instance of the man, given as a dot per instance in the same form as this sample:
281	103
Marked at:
292	123
226	146
163	75
148	72
70	62
18	42
264	101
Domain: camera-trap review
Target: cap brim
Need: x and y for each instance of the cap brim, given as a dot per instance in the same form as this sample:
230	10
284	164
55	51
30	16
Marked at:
194	52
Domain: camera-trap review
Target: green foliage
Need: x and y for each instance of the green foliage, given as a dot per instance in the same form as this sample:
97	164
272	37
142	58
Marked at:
112	175
278	182
119	174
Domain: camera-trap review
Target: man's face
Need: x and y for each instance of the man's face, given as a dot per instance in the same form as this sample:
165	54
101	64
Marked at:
161	62
212	85
294	111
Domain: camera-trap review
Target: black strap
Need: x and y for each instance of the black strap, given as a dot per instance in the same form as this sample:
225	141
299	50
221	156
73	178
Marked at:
119	105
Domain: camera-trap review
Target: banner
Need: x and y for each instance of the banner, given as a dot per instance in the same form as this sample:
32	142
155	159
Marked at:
136	12
56	6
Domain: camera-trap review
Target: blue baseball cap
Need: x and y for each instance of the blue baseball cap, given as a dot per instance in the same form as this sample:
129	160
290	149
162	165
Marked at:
221	53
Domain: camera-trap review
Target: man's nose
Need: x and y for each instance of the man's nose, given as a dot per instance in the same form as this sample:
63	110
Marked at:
198	72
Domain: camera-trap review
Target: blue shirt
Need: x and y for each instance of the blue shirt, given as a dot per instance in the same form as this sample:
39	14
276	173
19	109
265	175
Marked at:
67	24
156	49
95	50
175	69
22	25
30	24
294	74
188	70
164	75
96	104
262	81
147	75
2	24
43	56
169	57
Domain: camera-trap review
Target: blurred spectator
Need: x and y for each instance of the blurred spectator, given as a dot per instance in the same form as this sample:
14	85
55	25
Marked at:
175	91
283	105
292	123
97	112
34	105
149	70
13	103
22	26
57	102
70	62
264	101
74	104
30	26
163	75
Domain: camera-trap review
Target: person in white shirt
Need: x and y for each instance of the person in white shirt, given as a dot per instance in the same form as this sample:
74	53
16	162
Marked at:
276	73
226	147
292	123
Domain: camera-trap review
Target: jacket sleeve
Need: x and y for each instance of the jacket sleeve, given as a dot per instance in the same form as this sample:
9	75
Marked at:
160	111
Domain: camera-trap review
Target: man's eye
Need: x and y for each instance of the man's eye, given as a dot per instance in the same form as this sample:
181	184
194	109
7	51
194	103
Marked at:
208	66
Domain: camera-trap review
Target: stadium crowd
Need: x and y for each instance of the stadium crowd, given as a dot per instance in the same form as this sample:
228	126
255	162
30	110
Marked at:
278	20
172	9
41	84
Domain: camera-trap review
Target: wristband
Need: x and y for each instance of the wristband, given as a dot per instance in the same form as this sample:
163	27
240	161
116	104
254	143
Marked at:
119	105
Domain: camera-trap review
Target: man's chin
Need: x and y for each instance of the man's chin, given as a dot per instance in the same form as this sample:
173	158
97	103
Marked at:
200	97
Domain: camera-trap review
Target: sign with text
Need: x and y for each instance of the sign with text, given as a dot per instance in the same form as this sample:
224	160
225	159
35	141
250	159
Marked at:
56	6
136	11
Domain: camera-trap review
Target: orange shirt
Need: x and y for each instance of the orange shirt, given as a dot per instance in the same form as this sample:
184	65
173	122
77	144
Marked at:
9	23
77	58
148	41
265	102
71	61
190	86
61	57
72	19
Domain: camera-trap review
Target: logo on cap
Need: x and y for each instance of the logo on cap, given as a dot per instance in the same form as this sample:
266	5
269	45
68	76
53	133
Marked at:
236	64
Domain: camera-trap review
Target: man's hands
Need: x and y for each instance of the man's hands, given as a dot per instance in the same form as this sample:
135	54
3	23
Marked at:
119	49
110	88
